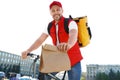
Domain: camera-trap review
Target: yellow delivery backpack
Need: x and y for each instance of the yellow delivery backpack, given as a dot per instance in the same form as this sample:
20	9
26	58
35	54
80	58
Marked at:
84	32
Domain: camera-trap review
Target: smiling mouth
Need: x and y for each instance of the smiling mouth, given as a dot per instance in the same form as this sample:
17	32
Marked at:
56	15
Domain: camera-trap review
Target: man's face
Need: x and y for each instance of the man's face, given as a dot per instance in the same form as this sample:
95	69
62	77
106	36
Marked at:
56	12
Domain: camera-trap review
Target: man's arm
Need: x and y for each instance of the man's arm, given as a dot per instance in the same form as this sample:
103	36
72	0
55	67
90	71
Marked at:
73	33
38	42
72	38
35	45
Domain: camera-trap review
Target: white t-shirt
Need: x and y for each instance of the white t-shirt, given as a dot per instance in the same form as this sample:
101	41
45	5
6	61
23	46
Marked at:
72	25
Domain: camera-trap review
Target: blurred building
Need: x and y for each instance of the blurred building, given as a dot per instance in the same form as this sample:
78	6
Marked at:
93	69
10	62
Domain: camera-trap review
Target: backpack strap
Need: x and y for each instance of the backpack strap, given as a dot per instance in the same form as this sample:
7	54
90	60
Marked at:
89	31
66	22
49	27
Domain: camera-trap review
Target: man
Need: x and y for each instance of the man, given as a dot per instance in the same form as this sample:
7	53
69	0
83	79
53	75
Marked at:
64	41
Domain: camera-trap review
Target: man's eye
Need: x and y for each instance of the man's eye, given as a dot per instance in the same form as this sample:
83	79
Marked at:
53	10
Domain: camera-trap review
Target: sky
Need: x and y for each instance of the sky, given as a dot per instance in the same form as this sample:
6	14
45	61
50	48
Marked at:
23	21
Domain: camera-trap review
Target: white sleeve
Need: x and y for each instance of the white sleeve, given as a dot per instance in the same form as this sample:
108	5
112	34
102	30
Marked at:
45	30
73	25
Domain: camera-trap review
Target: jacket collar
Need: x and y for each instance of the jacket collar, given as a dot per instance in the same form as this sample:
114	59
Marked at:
60	21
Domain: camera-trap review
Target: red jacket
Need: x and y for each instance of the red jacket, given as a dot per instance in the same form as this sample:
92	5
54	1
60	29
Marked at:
74	53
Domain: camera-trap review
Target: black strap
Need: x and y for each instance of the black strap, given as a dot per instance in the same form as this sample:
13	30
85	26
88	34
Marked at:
89	31
49	27
66	21
64	75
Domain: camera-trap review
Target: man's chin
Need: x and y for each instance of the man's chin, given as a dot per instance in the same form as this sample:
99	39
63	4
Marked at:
56	19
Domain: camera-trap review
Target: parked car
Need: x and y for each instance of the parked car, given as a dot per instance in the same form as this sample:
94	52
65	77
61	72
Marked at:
26	78
2	75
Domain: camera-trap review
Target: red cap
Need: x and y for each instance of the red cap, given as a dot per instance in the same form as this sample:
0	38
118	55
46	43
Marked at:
55	3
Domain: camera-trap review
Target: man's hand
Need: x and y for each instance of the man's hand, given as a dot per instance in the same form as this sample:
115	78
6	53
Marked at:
63	46
24	54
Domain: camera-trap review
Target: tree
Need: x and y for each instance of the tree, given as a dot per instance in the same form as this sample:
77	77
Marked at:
1	67
82	78
112	75
101	76
18	68
118	75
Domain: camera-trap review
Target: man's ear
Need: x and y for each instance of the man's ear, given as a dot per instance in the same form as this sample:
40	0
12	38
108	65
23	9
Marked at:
50	12
62	10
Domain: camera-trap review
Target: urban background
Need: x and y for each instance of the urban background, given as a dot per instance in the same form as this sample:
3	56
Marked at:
13	64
